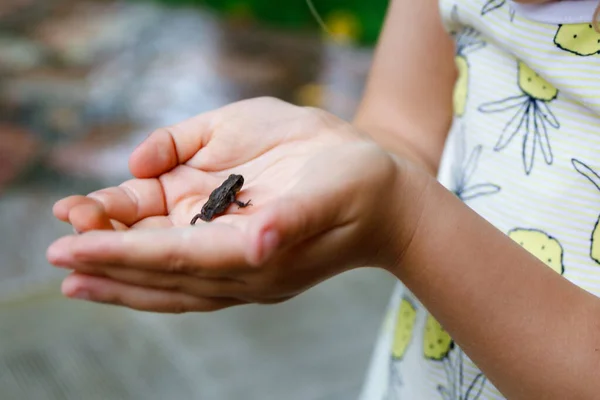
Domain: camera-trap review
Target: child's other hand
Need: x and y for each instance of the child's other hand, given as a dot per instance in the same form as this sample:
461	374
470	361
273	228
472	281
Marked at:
325	199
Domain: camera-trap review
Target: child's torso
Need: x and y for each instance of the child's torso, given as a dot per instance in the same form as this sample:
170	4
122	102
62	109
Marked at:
523	153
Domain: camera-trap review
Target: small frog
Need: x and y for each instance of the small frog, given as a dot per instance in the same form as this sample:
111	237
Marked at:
221	198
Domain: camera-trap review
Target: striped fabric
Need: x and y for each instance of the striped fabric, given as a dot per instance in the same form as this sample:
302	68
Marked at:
523	152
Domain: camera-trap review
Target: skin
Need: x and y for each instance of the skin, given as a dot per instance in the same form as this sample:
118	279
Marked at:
317	215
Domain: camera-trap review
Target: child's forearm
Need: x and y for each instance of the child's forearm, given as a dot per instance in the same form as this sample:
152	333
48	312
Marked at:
533	333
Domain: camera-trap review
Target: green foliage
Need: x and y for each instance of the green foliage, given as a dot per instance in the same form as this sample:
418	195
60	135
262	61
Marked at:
295	14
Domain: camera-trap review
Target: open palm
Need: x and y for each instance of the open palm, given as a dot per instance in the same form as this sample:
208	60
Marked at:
265	140
321	199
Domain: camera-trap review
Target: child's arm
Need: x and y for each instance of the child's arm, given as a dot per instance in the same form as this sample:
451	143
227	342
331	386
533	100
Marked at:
407	105
326	201
533	333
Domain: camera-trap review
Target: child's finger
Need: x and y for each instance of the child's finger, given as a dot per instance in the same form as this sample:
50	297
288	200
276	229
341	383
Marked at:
104	290
128	203
169	147
217	249
132	201
89	216
62	207
181	283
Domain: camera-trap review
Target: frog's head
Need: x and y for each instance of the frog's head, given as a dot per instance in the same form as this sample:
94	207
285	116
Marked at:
237	181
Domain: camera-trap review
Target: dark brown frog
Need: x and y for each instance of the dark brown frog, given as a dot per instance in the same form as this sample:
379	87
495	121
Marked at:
221	198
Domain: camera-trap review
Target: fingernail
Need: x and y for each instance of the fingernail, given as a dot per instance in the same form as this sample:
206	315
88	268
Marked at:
270	241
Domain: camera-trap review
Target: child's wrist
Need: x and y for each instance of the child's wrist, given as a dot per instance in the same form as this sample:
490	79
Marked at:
412	195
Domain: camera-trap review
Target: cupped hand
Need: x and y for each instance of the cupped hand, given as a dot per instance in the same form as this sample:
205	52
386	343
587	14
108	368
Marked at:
324	199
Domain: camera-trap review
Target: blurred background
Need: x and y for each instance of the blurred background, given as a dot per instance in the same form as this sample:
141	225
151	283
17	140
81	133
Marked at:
82	82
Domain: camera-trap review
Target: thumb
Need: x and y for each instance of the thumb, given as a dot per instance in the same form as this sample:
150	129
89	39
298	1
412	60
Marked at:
287	222
169	147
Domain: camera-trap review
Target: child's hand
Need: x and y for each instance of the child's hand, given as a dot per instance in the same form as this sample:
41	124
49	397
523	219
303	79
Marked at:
325	199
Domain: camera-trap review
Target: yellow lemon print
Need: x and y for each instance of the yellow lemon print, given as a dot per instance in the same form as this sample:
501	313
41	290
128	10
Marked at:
532	117
467	40
535	86
405	323
579	39
437	343
461	87
544	247
593	177
403	332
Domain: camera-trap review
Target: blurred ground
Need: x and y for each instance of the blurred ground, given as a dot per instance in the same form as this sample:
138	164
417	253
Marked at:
81	83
